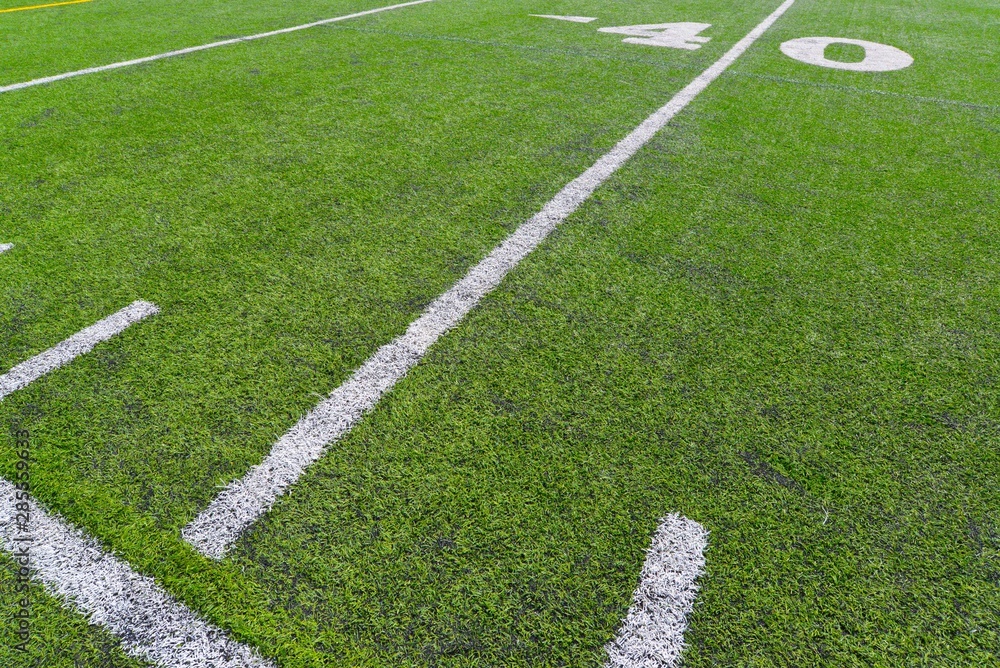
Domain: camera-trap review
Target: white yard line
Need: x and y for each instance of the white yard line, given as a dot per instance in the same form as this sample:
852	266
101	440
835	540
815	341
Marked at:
203	47
152	625
76	345
245	500
652	635
5	247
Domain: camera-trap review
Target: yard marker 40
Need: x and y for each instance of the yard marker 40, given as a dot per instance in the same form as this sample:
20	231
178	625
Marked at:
245	500
811	50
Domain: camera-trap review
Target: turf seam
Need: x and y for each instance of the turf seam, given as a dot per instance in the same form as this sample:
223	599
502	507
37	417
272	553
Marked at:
525	47
203	47
870	91
244	501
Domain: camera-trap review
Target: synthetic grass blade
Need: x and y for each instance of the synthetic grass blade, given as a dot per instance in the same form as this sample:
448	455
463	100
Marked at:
652	634
247	499
151	624
203	47
78	344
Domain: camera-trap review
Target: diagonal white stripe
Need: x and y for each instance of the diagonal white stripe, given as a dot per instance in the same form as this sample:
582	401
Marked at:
242	502
652	635
203	47
76	345
152	625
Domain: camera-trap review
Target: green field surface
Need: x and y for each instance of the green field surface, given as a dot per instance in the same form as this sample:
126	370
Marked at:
781	319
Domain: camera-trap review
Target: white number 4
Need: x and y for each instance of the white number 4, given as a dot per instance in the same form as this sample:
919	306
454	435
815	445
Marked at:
673	35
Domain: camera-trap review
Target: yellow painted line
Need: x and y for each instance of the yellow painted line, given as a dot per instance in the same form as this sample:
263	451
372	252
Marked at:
54	4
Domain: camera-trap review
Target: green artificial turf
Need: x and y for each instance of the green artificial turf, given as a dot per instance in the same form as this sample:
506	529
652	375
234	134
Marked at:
779	320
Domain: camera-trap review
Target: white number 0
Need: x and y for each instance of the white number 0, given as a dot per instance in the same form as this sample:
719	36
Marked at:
878	57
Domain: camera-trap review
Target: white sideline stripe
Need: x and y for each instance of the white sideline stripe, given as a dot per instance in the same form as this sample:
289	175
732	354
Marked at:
151	624
574	19
203	47
652	634
80	343
5	247
243	501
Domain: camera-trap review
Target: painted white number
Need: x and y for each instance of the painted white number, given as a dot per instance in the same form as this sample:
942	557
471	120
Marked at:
573	19
673	35
878	57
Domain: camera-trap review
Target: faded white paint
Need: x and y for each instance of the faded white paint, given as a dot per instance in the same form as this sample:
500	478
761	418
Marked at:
574	19
652	634
76	345
5	247
151	625
672	35
245	500
878	57
203	47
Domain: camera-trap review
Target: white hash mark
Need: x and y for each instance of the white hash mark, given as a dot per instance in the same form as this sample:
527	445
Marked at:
652	634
